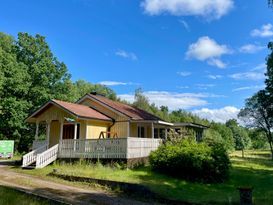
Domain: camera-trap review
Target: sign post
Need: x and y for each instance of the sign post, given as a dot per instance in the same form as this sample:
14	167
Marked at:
6	148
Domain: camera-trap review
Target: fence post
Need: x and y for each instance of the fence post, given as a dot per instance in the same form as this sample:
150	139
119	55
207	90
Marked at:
245	195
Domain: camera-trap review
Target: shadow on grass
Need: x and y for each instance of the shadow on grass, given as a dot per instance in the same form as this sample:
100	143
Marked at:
247	161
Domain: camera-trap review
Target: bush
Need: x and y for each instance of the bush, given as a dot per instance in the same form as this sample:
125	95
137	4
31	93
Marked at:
193	161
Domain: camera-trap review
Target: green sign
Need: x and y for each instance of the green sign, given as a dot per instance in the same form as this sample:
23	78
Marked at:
6	148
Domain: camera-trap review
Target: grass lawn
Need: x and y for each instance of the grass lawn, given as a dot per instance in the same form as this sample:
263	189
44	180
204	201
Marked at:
10	197
256	170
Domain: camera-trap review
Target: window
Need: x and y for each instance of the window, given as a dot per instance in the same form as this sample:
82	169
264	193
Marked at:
156	133
141	131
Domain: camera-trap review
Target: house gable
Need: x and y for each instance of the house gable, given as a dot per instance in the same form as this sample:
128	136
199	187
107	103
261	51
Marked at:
122	110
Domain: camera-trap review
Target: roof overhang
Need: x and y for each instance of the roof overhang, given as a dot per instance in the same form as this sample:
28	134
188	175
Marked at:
32	117
160	122
185	124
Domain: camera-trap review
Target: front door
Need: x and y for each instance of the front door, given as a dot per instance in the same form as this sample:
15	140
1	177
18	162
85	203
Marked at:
68	131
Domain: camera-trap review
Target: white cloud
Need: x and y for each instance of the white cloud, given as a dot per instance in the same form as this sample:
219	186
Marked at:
174	100
250	48
204	86
184	73
261	66
207	49
255	87
265	31
114	83
217	62
248	76
211	9
183	87
218	115
185	24
215	77
126	54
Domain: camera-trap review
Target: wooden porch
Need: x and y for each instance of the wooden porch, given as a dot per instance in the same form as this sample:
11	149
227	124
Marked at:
109	148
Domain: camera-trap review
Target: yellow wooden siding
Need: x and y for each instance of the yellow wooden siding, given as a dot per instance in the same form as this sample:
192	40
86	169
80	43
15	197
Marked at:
133	130
82	129
53	113
121	128
95	128
149	131
54	133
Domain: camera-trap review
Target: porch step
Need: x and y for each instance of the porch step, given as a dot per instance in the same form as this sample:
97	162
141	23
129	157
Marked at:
31	166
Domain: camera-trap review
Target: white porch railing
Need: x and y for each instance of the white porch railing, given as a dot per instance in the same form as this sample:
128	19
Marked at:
141	147
38	143
118	148
47	157
30	157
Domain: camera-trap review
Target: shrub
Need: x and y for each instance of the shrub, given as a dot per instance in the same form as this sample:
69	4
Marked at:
193	161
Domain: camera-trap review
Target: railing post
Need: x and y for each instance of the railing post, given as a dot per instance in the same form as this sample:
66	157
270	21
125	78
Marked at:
48	130
37	131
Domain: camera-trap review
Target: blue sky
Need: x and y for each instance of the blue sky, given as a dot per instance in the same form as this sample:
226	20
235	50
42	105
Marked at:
204	57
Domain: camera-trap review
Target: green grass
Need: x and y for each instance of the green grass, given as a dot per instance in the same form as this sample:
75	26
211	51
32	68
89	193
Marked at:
10	197
256	170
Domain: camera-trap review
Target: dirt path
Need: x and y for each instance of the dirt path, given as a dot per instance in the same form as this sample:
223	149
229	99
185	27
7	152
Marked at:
60	192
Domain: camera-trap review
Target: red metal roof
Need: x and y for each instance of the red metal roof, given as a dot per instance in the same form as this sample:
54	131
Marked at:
130	111
76	109
82	110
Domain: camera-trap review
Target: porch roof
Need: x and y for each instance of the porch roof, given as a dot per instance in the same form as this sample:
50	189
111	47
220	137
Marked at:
80	111
189	124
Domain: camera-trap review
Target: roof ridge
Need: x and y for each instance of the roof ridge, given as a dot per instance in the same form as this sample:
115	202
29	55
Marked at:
130	114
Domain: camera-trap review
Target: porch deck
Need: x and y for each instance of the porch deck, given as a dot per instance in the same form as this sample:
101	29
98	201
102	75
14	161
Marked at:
113	148
110	148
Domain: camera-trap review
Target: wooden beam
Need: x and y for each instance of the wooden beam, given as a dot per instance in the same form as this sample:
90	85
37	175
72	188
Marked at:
152	130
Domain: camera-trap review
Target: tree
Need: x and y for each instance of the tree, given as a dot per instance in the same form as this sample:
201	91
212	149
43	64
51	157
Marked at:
257	113
141	101
15	82
270	3
226	134
240	135
258	139
30	75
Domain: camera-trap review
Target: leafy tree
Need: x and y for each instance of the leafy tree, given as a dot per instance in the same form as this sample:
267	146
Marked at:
213	135
257	114
15	82
270	3
258	139
225	133
240	135
46	72
30	75
141	101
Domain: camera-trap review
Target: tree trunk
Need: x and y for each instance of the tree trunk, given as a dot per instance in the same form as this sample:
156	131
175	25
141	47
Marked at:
270	143
271	149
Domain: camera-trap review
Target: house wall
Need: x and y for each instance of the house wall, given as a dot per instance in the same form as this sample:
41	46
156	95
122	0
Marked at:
83	125
53	113
121	122
121	128
54	133
94	128
133	129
